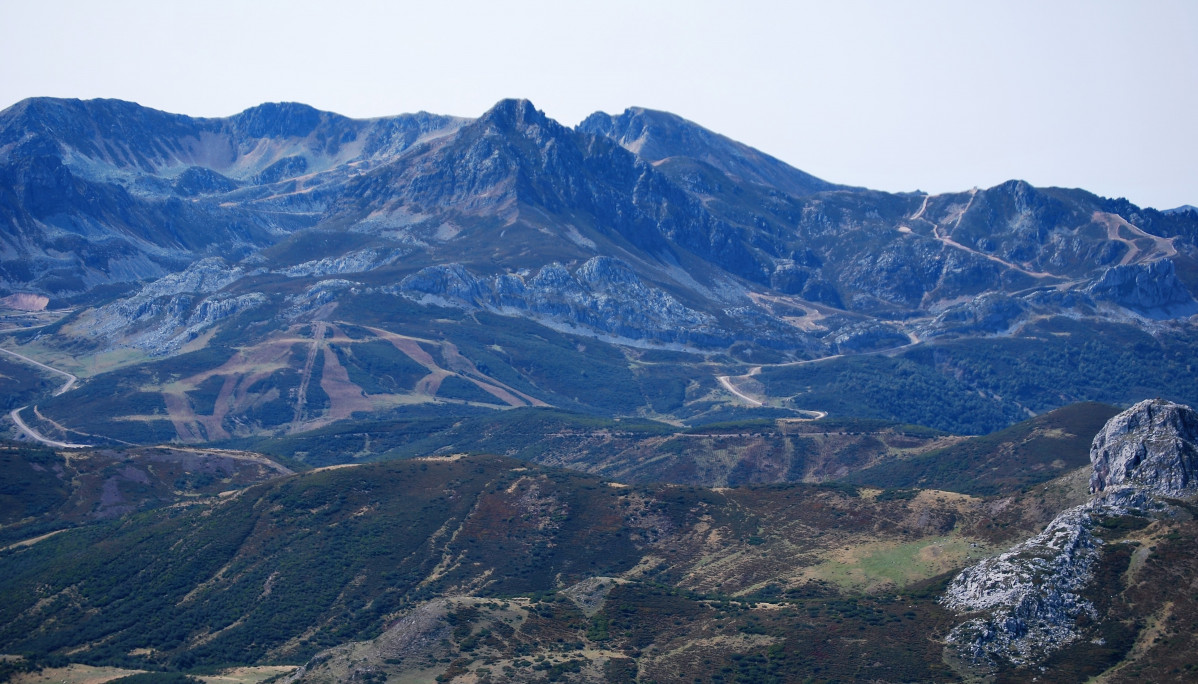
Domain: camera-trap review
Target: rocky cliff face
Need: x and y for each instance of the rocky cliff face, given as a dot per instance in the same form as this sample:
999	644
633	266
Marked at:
603	295
1153	446
171	311
1026	604
1151	289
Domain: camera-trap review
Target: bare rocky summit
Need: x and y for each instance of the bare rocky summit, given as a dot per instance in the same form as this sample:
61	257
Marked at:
1153	445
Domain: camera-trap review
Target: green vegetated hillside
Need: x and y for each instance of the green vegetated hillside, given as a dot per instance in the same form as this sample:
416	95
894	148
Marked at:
979	385
282	570
1026	453
866	452
390	356
253	379
628	450
44	491
490	569
21	383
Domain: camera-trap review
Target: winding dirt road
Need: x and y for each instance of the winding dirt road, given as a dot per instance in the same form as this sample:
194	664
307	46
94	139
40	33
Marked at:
15	414
71	379
726	381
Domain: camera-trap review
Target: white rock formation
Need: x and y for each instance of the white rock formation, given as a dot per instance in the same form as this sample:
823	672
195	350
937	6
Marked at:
1024	604
1153	445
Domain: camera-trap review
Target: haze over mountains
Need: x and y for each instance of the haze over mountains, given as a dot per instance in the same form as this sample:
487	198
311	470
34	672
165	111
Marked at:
764	384
641	232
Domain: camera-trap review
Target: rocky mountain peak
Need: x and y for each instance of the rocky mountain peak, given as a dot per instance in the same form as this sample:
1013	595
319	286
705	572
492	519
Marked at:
513	114
651	134
655	136
1153	445
278	120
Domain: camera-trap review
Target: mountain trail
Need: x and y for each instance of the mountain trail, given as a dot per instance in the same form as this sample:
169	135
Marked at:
1162	248
301	401
71	379
949	242
726	381
15	414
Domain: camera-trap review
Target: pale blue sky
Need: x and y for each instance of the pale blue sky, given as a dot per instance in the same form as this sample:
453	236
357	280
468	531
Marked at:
938	96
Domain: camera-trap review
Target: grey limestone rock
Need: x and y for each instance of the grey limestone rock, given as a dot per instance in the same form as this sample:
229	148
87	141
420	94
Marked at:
1027	597
358	261
1025	604
173	310
1151	289
1152	445
603	295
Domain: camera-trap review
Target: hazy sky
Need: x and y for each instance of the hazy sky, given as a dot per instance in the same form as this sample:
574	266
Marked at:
937	96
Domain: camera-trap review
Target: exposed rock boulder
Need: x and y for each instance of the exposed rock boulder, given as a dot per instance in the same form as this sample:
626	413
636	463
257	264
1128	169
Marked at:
1025	604
1027	596
1152	445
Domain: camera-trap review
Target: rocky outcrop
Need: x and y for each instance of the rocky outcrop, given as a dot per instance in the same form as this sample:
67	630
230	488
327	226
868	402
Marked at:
202	277
986	314
603	295
1027	596
173	310
1025	604
421	632
1152	289
358	261
1152	446
859	337
316	296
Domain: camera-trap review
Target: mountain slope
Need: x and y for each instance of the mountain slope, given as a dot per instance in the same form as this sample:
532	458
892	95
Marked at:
676	273
658	137
1026	453
285	569
484	567
1067	598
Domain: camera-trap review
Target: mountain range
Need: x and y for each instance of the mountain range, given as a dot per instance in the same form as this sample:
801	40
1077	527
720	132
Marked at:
226	278
428	398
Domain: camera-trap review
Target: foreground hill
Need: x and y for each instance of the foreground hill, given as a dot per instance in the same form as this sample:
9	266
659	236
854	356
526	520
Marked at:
282	570
485	568
43	491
